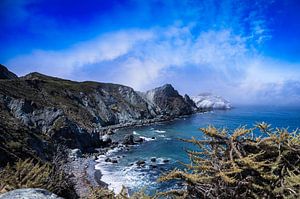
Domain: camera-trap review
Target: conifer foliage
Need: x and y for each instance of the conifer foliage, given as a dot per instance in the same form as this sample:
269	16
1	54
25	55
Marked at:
239	164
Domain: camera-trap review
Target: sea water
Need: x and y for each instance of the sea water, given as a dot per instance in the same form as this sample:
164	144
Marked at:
167	149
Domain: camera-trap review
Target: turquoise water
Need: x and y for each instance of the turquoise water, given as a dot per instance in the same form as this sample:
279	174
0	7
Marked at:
166	146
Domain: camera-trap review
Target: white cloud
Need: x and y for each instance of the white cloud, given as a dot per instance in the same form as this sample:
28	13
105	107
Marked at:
147	58
64	62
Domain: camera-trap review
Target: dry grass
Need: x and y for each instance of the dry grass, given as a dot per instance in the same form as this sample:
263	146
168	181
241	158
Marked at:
31	174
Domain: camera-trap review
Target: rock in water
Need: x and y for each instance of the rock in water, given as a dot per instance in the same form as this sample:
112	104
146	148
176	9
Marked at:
139	140
128	140
140	163
210	101
29	194
106	140
6	74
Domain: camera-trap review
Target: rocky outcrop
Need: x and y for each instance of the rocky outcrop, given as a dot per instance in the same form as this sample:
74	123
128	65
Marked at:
76	113
29	193
128	140
6	74
209	101
190	102
168	101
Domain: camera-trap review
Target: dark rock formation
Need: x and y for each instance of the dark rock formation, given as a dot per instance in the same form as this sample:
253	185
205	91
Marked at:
139	140
29	193
140	163
168	101
128	140
190	102
6	74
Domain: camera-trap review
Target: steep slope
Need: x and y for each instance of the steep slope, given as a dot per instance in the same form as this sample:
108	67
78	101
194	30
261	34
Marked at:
70	110
6	74
168	101
38	112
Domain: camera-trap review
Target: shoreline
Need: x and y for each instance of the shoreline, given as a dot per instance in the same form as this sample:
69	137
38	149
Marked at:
85	167
147	122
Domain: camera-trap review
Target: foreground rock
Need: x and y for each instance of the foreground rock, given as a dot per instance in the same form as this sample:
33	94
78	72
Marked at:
206	101
29	194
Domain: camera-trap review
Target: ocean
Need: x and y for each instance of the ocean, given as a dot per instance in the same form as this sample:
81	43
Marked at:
168	150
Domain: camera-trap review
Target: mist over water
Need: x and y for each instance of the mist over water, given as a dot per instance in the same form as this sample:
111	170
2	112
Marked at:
166	145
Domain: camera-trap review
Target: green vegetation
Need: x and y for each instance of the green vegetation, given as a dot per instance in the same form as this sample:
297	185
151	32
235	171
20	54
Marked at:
241	165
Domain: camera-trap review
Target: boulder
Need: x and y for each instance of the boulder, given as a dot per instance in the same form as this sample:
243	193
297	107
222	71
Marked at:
140	163
75	153
29	193
153	159
153	166
106	140
139	140
128	140
110	132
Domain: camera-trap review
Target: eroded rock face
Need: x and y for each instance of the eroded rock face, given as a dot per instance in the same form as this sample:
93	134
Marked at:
190	102
29	194
6	74
75	113
168	101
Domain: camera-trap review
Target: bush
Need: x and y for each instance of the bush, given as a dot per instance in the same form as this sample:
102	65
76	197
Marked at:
30	174
241	165
103	193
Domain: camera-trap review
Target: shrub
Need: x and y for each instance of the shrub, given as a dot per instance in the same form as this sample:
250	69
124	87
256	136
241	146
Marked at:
239	164
103	193
30	174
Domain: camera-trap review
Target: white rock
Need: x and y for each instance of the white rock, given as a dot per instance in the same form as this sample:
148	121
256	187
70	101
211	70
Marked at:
210	101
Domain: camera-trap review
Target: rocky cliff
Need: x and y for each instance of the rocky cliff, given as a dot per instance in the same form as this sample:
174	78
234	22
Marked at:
167	101
38	111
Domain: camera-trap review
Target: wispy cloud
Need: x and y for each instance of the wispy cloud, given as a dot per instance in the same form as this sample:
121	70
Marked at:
220	56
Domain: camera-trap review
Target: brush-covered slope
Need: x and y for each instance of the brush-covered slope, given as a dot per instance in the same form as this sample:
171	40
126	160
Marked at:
38	111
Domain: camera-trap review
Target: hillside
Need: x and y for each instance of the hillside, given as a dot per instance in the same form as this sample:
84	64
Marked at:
38	111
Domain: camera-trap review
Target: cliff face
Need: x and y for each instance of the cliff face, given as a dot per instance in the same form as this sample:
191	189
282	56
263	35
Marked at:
38	111
168	101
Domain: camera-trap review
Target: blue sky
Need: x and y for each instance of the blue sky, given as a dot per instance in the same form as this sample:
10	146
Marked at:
246	51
